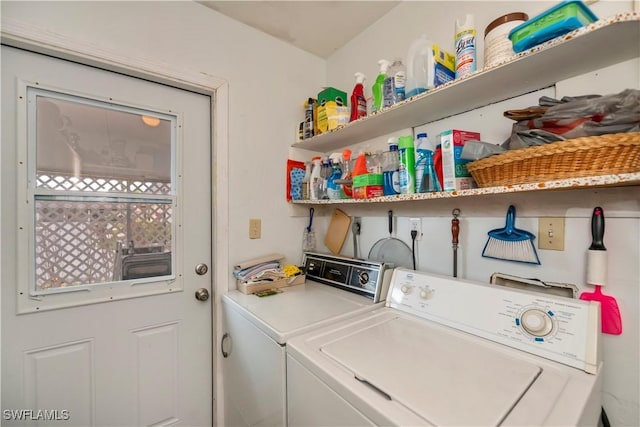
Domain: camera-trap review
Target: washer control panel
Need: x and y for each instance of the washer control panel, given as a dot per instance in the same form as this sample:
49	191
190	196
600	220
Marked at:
562	329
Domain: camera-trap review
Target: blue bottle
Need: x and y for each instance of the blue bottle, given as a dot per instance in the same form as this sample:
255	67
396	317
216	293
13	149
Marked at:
390	165
429	182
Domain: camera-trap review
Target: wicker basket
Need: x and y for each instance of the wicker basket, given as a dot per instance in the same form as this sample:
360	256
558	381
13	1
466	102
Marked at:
580	157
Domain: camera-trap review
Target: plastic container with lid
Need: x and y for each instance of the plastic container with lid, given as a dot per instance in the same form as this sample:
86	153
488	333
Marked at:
554	22
497	46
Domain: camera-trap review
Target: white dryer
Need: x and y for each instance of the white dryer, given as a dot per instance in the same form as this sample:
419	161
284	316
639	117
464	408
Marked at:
256	331
451	352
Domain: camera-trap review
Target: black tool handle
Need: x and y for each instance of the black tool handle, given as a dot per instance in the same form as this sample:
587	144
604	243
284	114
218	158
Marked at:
390	222
597	230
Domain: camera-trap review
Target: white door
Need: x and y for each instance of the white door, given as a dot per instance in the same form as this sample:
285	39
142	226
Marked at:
106	212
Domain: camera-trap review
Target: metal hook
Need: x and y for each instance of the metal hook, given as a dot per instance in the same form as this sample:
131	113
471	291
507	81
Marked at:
456	212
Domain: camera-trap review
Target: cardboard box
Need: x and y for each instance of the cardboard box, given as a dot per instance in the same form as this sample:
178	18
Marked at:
332	94
252	288
332	116
367	186
455	175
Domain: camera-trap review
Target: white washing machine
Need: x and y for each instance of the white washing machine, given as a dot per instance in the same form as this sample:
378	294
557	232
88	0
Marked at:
257	329
449	352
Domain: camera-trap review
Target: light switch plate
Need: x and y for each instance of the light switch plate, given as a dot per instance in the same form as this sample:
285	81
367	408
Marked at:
255	228
551	233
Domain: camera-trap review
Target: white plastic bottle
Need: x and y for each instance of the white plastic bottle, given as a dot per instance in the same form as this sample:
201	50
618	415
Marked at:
419	64
316	178
306	182
394	84
465	44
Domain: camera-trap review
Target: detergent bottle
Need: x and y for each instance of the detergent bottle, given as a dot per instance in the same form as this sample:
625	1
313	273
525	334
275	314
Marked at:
378	87
358	101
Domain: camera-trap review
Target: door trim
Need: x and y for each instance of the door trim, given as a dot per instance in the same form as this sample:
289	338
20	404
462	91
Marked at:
40	40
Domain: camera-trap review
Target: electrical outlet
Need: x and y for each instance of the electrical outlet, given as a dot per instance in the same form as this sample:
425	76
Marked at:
255	225
416	224
551	233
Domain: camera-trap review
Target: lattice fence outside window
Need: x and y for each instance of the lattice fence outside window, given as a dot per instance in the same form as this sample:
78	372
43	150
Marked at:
76	241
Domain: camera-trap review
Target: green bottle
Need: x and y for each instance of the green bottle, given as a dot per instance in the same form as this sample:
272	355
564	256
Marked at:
378	86
407	169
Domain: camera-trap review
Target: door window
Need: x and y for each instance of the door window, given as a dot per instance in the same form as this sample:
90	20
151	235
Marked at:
101	186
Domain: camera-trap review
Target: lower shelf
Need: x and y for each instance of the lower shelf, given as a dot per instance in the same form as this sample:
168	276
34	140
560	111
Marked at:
618	180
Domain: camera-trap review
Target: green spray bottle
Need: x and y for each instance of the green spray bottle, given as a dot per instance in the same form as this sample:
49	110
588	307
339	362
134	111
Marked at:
378	87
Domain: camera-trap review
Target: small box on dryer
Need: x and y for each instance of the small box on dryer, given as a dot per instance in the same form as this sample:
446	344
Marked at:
455	175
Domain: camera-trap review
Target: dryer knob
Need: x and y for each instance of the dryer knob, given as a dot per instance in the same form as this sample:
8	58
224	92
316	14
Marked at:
405	289
425	294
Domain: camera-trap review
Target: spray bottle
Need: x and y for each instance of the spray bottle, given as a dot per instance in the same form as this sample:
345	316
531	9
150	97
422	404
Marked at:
465	42
358	101
334	189
378	87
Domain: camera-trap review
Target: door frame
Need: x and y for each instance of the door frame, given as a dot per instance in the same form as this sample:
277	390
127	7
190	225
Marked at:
39	40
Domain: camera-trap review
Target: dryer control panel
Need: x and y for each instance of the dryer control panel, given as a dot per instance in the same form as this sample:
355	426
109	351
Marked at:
368	278
562	329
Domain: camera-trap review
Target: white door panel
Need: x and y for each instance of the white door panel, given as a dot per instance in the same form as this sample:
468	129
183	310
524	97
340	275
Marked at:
123	352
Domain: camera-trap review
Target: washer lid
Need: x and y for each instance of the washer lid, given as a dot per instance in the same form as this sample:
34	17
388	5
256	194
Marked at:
444	377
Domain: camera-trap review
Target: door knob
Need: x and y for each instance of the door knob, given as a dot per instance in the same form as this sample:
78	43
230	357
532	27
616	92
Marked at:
202	294
201	269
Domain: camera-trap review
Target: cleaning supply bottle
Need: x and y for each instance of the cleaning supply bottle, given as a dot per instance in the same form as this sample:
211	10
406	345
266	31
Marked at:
390	183
325	173
394	84
358	101
419	62
423	151
465	44
429	182
378	87
347	177
334	190
407	167
360	167
306	182
316	179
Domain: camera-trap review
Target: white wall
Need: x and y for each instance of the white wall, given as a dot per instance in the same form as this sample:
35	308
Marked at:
268	82
389	38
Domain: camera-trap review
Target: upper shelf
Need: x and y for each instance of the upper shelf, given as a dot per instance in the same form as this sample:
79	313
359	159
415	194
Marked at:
603	43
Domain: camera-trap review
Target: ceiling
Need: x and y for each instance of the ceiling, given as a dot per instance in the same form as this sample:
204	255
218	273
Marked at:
300	23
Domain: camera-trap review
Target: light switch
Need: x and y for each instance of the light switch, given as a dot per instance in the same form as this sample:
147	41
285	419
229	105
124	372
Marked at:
255	225
551	233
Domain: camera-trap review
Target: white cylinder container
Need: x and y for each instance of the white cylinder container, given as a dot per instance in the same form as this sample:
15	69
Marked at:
497	46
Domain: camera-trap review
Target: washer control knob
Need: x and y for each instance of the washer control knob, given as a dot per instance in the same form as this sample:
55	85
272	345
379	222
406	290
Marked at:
363	278
425	294
405	289
536	322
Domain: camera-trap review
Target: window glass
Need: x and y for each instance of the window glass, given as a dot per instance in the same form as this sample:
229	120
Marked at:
102	190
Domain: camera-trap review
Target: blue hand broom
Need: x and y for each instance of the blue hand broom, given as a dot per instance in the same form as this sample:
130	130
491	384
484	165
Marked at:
510	243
